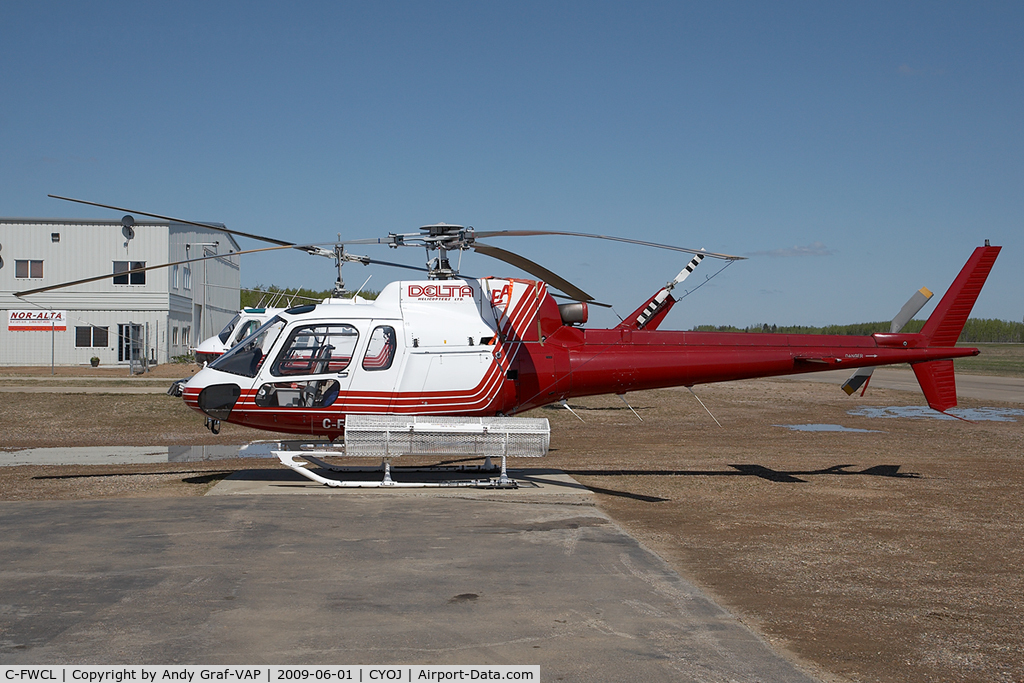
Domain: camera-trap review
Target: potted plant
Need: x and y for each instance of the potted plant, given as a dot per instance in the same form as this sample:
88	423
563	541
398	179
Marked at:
95	360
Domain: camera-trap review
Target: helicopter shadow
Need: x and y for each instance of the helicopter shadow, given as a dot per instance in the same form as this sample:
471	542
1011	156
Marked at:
739	470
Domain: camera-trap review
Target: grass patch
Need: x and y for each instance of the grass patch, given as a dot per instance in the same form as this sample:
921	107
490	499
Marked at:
1004	360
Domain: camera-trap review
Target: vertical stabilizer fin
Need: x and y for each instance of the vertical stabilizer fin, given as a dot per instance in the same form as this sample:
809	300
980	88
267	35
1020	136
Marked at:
947	320
946	323
938	383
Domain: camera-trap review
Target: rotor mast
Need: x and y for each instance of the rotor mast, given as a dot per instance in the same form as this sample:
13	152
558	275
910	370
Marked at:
443	238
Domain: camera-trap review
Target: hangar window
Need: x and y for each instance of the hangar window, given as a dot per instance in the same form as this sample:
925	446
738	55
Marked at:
91	336
26	269
55	237
123	277
186	276
174	276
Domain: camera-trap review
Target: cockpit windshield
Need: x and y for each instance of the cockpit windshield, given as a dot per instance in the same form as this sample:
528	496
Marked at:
226	332
246	357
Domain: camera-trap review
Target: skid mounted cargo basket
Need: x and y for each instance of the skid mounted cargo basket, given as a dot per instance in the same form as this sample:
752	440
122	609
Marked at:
389	436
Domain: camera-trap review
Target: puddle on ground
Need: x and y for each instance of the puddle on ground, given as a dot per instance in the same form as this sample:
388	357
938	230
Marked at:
133	455
924	412
824	428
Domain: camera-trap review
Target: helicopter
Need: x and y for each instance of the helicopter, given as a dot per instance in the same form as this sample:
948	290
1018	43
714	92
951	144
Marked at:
451	345
244	323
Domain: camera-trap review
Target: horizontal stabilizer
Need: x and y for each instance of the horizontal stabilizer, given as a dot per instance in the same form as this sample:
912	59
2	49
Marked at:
938	383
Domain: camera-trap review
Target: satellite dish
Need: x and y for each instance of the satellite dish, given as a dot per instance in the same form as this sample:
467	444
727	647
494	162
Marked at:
126	227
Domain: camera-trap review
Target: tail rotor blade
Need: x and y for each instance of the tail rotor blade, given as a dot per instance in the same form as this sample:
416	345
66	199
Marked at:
857	380
910	309
863	375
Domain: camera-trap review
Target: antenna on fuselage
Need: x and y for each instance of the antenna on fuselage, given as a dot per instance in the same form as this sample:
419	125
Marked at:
360	288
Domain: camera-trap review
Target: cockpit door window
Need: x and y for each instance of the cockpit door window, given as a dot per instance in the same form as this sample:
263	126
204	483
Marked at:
316	350
380	351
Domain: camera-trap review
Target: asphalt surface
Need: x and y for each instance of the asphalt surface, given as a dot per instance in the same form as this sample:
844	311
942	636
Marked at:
311	575
328	576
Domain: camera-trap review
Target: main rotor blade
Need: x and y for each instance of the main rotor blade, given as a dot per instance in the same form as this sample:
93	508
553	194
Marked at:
309	248
589	303
210	226
375	262
530	233
532	268
142	270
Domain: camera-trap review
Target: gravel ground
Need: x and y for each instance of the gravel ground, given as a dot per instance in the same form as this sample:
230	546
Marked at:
885	555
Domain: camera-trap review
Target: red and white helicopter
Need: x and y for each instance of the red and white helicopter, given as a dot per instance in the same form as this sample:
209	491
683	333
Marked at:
451	345
502	346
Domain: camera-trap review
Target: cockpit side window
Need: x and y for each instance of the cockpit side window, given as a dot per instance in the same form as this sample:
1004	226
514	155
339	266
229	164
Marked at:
248	328
380	351
316	350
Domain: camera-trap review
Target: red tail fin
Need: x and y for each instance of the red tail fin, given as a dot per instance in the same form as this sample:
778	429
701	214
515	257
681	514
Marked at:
945	325
947	320
938	383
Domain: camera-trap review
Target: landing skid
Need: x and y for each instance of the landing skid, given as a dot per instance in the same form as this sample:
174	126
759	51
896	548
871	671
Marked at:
287	459
391	436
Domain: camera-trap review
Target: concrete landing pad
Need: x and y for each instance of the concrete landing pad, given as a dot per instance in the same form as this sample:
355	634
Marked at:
516	577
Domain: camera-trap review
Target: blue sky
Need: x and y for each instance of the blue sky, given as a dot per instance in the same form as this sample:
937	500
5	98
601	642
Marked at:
855	151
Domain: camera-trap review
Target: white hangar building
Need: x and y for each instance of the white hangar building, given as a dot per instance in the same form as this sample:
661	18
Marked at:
152	315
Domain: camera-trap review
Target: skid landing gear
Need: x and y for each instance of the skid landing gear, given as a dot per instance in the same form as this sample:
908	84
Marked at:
288	459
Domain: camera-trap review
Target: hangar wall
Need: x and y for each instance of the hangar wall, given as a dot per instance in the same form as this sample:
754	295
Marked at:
179	305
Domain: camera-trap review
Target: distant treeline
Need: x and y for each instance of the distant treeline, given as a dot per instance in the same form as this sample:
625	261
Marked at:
976	329
280	297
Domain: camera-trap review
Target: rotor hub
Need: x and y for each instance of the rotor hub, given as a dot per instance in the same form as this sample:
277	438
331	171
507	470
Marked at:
442	229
